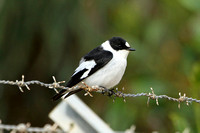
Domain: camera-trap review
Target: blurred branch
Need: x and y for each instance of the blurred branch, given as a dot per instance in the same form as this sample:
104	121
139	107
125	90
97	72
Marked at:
24	128
109	92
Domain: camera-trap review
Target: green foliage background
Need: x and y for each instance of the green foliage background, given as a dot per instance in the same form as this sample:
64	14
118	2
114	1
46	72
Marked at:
44	38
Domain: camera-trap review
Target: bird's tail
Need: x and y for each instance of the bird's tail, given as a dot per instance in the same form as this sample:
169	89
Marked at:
59	95
63	92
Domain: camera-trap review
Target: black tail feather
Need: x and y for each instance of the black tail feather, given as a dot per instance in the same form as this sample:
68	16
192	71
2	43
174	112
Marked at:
72	92
63	92
59	95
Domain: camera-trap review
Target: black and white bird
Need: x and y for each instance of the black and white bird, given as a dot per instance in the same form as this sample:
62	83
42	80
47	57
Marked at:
103	66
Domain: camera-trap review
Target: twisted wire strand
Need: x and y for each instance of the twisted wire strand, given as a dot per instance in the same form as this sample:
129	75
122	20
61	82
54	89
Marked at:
56	85
26	128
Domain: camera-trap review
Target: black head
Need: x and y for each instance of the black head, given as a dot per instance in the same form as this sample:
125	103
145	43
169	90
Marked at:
118	43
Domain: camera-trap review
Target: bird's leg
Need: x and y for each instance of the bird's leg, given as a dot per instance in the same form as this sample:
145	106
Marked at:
111	92
88	89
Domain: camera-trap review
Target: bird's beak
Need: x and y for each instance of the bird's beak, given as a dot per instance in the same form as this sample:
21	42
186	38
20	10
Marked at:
130	49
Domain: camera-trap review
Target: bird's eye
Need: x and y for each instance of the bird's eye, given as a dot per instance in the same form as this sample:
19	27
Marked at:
119	45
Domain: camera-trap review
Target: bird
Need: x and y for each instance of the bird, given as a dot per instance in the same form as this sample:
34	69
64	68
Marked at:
104	66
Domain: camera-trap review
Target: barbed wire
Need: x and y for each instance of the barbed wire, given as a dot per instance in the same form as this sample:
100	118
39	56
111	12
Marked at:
114	92
25	128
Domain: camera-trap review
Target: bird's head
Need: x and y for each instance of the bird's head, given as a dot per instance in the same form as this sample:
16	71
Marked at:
118	46
118	43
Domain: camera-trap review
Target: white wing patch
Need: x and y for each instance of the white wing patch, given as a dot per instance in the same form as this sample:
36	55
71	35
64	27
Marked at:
85	74
85	65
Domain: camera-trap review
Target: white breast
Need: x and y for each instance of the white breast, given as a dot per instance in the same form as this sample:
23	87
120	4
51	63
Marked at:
111	74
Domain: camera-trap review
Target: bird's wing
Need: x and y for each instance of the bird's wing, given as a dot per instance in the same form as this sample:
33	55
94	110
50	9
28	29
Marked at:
89	64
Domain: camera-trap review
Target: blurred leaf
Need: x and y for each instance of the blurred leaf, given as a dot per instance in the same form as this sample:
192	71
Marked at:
116	113
195	80
155	32
193	5
180	123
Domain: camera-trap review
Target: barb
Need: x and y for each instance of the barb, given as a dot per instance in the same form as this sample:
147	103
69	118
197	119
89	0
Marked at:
112	93
22	83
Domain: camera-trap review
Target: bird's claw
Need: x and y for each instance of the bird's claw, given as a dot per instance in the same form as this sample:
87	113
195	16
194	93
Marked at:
111	92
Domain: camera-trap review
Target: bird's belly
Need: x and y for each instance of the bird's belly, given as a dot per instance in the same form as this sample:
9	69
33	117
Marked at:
108	76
